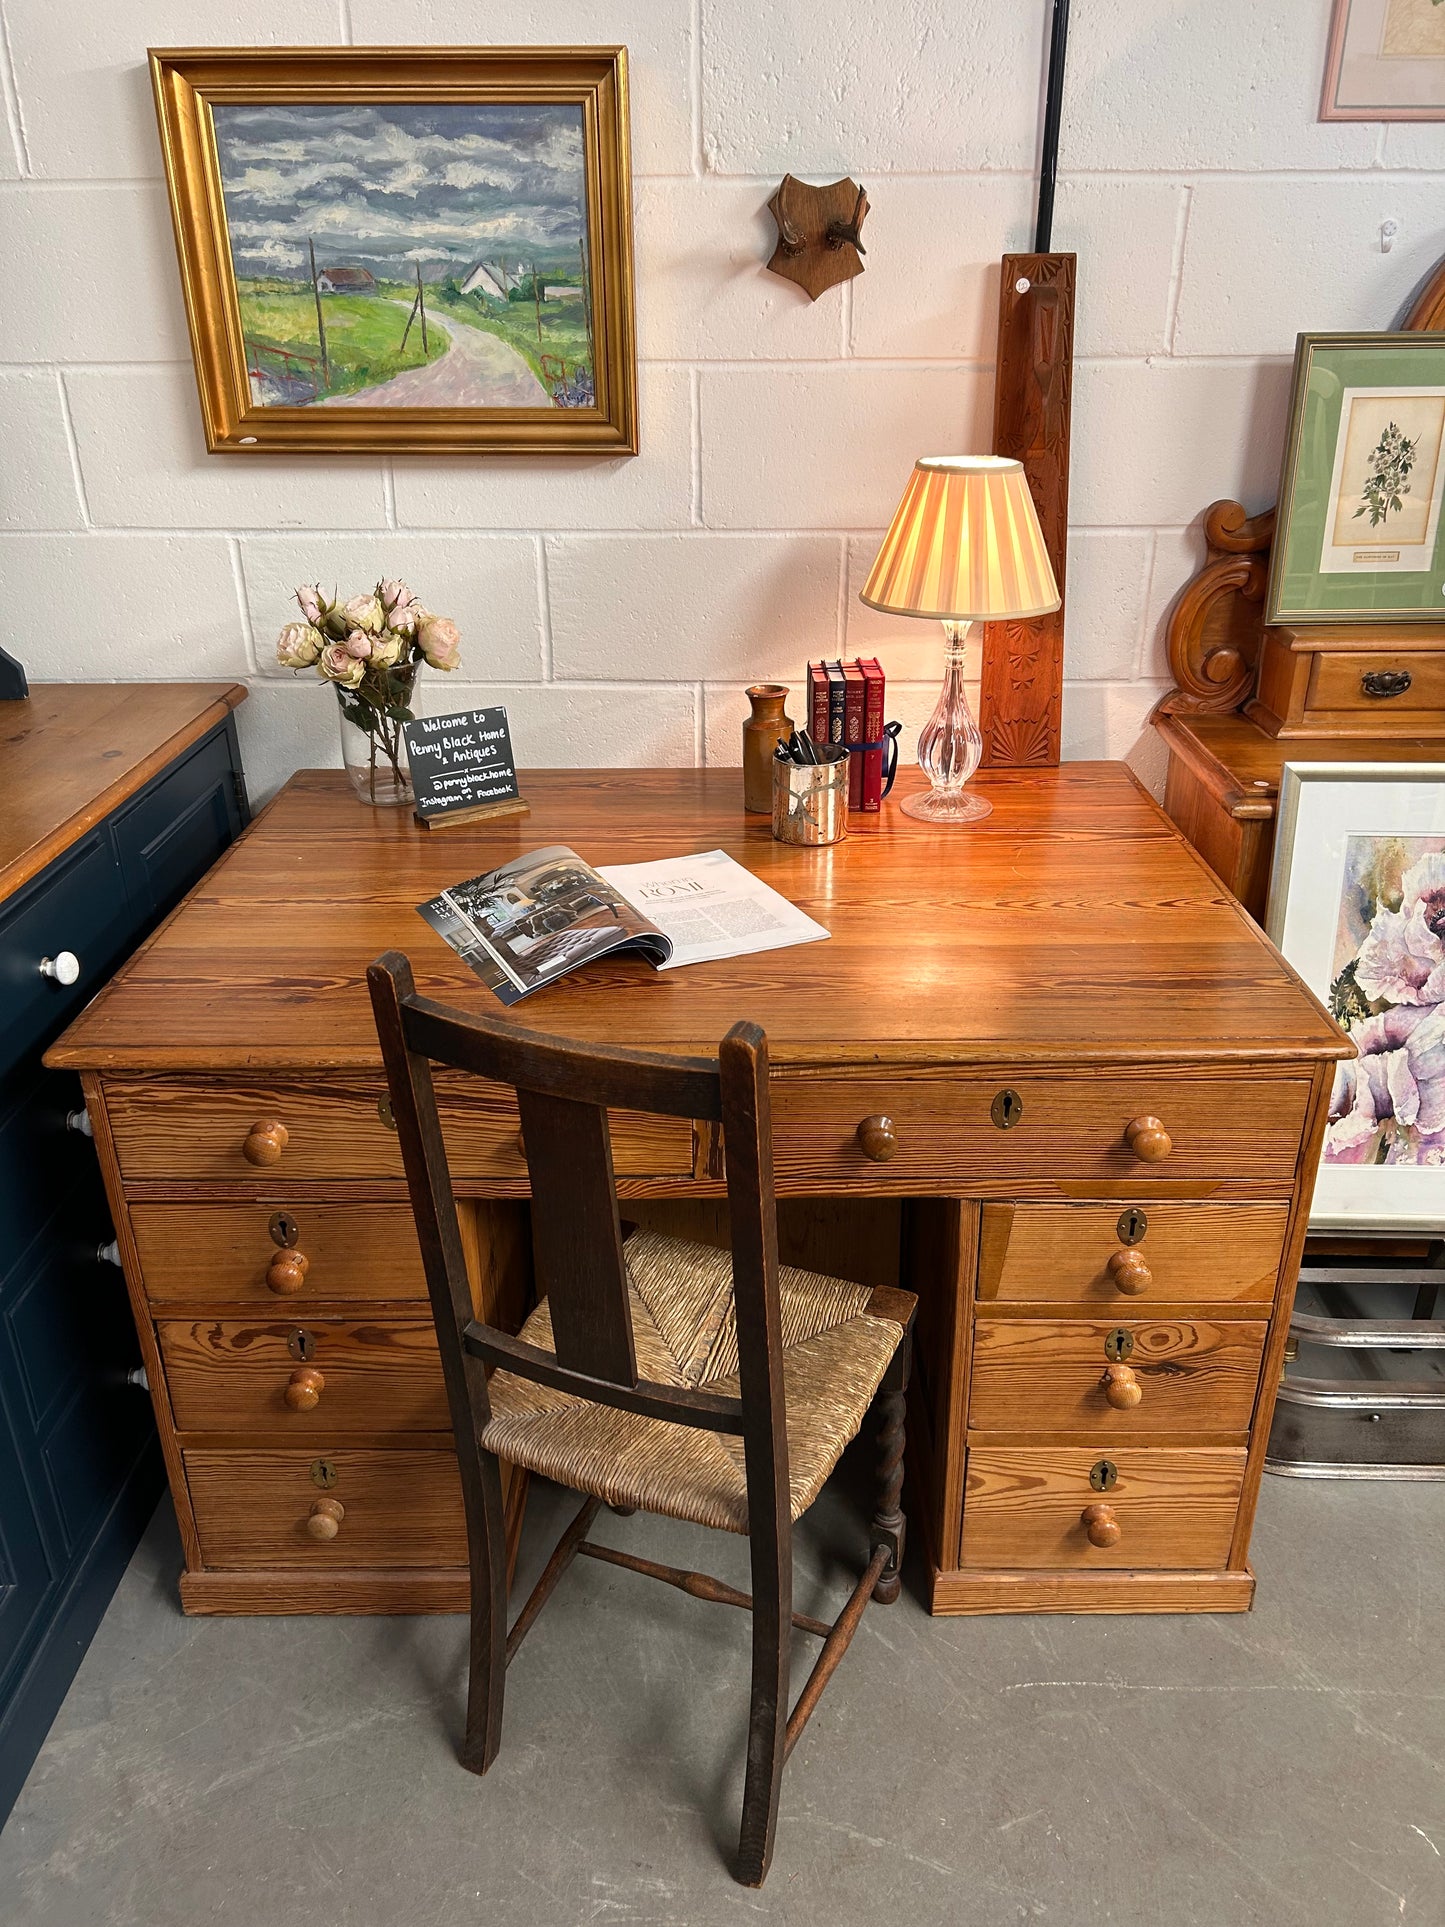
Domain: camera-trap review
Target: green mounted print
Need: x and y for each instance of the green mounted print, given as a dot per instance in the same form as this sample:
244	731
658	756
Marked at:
1359	534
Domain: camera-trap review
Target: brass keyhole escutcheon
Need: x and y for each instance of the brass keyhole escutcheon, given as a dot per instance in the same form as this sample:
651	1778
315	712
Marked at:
1104	1476
1118	1344
1006	1110
385	1113
1131	1226
302	1345
284	1230
325	1474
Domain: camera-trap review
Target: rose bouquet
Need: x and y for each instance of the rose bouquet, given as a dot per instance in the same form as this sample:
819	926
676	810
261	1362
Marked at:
371	648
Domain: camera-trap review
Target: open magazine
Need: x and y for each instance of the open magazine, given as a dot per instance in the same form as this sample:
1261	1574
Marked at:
530	921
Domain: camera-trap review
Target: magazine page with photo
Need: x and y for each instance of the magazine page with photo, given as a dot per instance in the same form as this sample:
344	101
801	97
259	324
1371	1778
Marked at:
520	926
546	913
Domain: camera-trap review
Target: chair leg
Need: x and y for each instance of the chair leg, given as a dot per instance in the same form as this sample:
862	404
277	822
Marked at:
888	1525
487	1668
772	1561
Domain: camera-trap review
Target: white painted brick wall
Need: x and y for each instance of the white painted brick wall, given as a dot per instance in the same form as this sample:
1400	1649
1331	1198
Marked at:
617	608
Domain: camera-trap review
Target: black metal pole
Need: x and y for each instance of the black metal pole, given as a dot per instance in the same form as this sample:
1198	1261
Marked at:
1053	111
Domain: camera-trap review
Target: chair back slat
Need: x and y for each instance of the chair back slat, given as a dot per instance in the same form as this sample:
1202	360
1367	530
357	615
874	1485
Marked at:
564	1092
576	1237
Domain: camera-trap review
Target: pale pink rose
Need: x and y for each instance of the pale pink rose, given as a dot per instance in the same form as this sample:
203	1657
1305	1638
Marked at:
405	618
309	598
395	595
440	641
338	665
358	644
386	649
298	645
364	612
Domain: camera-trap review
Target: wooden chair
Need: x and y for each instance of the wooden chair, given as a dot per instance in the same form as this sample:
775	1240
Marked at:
652	1375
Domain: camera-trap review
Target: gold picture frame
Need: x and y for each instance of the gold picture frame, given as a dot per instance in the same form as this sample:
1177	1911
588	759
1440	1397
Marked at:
266	389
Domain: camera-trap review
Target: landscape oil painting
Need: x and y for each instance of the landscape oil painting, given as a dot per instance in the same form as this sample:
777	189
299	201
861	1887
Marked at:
410	256
405	249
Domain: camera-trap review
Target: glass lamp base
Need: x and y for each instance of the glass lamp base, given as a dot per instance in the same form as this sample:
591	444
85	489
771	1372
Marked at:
947	806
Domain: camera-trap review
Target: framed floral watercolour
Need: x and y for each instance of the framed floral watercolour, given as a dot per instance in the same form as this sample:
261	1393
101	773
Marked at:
404	249
1358	534
1386	61
1357	905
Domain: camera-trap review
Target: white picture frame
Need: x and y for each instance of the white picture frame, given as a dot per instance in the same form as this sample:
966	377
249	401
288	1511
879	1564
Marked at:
1356	892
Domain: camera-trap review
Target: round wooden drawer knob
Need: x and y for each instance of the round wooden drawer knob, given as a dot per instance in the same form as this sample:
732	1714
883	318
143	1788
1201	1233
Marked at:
324	1519
286	1273
1122	1389
1147	1138
304	1389
1129	1273
1100	1522
265	1141
877	1139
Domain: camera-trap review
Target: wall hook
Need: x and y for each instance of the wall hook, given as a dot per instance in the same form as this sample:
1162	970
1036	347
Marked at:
819	231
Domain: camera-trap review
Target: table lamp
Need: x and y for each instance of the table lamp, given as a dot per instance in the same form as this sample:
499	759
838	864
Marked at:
964	546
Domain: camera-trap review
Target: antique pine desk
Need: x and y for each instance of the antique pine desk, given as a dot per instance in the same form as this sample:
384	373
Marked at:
1045	1071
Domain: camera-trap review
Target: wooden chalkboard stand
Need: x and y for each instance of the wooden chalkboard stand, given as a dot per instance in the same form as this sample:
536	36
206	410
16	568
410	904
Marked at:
479	813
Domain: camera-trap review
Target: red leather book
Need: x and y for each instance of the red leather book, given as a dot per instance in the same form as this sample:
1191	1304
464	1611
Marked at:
854	703
818	701
871	796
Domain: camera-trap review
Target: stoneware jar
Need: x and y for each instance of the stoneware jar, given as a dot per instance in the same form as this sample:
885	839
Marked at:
761	734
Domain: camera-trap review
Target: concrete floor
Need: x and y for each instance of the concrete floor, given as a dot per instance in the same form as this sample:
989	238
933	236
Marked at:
1287	1766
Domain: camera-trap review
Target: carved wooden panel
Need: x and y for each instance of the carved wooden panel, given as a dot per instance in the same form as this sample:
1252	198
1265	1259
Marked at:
1023	662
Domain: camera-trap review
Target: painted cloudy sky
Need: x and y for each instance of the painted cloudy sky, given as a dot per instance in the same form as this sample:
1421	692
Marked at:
383	187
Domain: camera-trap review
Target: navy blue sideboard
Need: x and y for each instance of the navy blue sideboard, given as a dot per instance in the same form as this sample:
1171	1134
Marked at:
80	1469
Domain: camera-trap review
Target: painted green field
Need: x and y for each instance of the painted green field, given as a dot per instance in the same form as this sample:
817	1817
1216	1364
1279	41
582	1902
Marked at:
363	334
563	334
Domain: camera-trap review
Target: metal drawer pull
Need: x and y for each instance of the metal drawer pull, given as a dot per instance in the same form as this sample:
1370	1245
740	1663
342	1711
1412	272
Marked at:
79	1121
63	967
1384	683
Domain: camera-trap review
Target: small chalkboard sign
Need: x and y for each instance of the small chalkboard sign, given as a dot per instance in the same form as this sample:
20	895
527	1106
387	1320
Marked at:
462	769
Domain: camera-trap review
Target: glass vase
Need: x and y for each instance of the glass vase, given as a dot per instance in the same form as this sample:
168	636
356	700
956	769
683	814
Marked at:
373	748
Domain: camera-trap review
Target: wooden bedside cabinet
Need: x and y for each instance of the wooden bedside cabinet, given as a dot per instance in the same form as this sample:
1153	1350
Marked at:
1042	1074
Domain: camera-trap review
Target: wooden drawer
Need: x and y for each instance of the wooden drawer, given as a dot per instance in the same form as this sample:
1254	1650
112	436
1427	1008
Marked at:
1063	1128
220	1254
399	1508
1061	1252
1343	681
1040	1375
172	1128
228	1375
1175	1507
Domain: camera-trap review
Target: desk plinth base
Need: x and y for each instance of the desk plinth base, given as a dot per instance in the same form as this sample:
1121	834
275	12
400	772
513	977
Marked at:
1091	1592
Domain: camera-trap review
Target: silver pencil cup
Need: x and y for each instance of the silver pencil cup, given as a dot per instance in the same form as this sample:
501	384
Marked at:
810	800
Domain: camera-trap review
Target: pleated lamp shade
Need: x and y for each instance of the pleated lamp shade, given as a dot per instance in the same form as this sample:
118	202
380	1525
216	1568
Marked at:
965	545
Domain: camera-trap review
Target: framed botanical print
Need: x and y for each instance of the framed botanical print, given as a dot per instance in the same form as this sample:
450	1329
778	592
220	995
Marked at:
402	249
1358	534
1357	905
1386	61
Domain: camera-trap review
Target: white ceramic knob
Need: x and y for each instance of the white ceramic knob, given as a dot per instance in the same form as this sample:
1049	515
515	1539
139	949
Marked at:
109	1254
137	1376
79	1121
64	967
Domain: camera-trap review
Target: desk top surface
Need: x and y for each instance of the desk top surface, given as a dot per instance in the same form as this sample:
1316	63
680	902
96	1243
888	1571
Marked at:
70	753
1074	925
